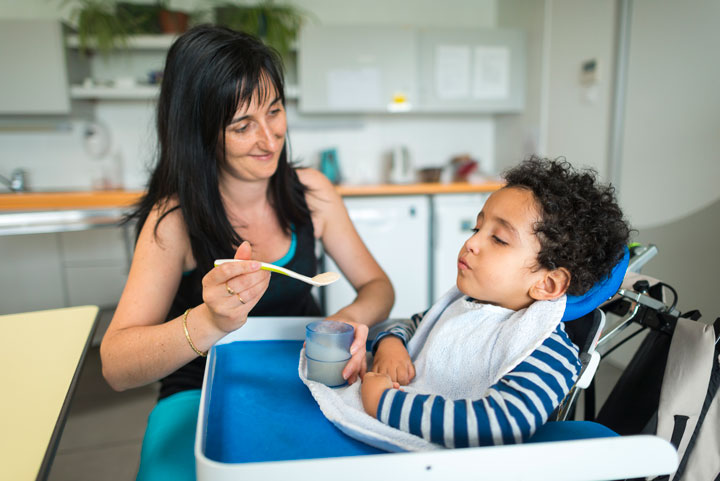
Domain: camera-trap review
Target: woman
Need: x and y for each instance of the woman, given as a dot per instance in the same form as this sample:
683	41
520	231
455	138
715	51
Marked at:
223	187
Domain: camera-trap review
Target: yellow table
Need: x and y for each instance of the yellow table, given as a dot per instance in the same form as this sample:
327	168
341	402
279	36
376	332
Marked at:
41	355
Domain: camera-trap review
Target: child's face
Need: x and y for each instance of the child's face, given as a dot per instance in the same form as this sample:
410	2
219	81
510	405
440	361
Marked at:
498	264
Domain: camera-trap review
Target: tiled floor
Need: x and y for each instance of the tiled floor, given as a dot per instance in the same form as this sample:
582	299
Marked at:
104	429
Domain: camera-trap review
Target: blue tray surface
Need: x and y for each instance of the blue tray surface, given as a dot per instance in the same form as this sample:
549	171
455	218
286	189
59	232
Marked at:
261	411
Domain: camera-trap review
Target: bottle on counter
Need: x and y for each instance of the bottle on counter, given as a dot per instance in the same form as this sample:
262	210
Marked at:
106	172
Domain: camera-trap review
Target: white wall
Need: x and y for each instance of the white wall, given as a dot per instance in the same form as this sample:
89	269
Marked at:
672	116
363	148
671	150
577	118
671	137
56	159
562	116
518	135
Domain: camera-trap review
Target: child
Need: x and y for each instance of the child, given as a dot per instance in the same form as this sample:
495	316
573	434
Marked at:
551	230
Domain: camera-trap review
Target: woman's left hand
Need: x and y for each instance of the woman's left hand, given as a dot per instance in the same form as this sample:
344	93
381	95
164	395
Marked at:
357	365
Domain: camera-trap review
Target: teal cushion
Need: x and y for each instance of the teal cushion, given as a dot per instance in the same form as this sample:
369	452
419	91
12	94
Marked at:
168	447
570	430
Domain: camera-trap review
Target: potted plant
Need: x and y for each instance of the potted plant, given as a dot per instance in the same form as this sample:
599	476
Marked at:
105	25
171	21
99	26
152	18
275	24
139	18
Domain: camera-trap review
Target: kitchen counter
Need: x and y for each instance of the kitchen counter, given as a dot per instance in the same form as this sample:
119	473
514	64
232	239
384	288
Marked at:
416	189
52	201
48	212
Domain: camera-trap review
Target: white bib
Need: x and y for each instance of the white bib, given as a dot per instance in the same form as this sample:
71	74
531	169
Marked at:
467	347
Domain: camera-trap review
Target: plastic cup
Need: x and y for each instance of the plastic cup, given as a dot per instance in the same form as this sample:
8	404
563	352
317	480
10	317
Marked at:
326	372
328	340
327	350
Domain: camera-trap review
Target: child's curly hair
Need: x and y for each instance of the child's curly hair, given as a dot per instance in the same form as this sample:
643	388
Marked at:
581	227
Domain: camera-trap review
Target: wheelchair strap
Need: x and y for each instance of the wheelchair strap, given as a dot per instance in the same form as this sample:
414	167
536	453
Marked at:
684	405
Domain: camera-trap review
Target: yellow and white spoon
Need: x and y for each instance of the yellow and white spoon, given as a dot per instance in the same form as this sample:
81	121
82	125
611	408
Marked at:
319	280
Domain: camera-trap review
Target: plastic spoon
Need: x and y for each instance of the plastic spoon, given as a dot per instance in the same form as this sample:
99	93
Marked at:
319	280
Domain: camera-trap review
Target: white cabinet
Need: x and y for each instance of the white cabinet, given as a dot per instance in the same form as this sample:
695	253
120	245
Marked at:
396	231
31	277
478	70
96	266
407	69
34	70
49	271
454	218
357	69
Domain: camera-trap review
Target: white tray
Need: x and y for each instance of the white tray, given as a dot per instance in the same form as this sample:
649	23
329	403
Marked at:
581	460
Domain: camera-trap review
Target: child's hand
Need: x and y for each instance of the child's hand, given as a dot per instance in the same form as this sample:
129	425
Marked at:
373	385
392	358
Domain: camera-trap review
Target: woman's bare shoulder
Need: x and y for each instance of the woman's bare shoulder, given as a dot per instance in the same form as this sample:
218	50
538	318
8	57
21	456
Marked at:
319	187
313	178
165	226
322	199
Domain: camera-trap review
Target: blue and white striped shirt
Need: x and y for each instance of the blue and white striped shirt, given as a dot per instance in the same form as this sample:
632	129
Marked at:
509	412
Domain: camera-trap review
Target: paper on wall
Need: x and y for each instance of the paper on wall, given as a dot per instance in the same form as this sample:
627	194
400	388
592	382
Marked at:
452	71
491	75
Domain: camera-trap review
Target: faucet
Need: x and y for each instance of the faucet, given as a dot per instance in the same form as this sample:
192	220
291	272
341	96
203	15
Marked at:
17	181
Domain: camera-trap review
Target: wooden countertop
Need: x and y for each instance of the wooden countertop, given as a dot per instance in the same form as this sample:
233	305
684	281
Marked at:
123	198
68	200
416	189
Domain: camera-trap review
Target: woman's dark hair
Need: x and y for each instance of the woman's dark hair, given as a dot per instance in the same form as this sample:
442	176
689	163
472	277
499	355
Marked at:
210	71
581	227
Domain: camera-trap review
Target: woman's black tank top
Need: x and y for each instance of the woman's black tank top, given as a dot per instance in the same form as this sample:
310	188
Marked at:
283	297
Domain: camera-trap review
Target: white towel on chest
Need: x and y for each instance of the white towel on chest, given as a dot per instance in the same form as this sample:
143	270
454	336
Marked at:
460	349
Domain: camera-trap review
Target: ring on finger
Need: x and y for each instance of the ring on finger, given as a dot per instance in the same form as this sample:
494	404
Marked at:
240	298
229	290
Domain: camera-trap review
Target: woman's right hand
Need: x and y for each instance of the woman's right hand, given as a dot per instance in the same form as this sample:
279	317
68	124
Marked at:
392	358
232	289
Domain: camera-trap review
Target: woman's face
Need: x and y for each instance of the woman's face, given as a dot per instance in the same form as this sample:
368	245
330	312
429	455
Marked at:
255	138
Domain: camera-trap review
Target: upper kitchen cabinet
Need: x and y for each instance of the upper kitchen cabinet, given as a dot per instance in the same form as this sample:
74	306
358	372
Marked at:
396	69
34	68
478	70
357	69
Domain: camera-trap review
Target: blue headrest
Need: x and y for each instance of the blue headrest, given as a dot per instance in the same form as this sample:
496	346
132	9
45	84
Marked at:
578	306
